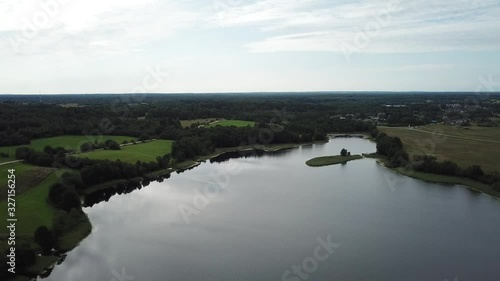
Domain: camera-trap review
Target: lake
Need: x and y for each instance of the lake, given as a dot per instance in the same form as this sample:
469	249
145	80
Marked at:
271	217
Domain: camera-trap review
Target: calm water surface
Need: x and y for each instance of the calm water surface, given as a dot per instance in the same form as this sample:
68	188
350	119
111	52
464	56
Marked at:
271	215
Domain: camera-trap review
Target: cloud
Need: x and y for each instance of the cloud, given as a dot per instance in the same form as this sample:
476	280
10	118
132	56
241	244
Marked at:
381	26
89	26
413	68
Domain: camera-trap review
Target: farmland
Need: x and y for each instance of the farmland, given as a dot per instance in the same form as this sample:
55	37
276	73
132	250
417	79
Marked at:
188	123
212	122
68	142
236	123
464	145
144	152
32	187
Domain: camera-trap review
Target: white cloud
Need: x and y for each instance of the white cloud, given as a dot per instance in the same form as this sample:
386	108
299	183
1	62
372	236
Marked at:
405	25
413	68
78	25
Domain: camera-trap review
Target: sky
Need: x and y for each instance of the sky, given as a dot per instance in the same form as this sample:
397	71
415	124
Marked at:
199	46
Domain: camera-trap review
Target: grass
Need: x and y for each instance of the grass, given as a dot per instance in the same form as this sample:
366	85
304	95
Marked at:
32	207
188	123
20	169
464	145
444	179
25	179
331	160
33	210
69	240
437	178
132	153
236	123
68	142
212	122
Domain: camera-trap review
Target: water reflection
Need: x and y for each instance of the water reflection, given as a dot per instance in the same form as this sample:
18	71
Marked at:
249	153
269	216
104	194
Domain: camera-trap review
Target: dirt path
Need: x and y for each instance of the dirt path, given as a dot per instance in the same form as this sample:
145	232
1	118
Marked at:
10	162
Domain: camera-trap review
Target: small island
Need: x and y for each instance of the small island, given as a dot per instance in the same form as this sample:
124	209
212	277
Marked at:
344	157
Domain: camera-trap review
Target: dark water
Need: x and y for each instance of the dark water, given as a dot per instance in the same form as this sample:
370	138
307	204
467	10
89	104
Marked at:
272	215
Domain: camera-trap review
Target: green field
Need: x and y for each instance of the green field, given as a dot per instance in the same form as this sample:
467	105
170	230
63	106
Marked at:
68	142
27	177
236	123
331	160
144	152
464	145
188	123
32	207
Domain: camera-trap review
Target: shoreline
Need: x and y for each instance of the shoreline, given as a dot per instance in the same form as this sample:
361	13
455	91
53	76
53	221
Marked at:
437	178
190	164
45	271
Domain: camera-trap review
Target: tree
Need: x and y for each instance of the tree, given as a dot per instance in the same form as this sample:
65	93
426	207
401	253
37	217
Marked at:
86	147
144	137
24	153
25	255
113	145
474	172
44	238
374	133
343	152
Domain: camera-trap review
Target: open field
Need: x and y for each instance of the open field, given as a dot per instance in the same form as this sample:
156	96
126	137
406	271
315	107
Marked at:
33	210
331	160
32	207
68	142
132	153
236	123
27	177
464	145
188	123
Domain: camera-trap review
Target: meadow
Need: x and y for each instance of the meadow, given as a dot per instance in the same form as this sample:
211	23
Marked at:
188	123
144	152
68	142
464	145
236	123
32	206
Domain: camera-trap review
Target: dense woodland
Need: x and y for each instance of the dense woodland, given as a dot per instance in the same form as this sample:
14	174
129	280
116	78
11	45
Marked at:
303	117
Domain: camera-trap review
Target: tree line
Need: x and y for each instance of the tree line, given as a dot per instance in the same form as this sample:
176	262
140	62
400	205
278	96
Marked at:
392	148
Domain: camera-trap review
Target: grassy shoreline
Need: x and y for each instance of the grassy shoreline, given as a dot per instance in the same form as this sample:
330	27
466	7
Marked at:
36	211
188	164
331	160
437	178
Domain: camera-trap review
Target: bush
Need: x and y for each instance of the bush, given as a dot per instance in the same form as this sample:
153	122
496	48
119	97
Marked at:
144	137
86	147
112	145
25	255
23	153
44	238
64	197
65	221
